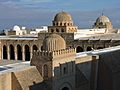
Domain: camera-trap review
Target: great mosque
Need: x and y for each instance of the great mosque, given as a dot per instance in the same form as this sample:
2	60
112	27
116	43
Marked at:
16	46
61	58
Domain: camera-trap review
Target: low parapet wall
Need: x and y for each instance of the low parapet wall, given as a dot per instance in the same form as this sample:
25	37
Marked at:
63	52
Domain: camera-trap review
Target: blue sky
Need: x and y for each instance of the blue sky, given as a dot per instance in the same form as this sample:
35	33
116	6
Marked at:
34	13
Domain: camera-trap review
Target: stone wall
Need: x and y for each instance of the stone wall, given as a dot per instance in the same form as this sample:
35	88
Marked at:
11	33
25	79
84	65
5	81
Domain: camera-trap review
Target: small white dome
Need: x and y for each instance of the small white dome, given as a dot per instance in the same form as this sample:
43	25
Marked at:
16	27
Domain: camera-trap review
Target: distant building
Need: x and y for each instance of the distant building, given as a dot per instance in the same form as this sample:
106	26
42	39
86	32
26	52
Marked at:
17	30
38	30
103	22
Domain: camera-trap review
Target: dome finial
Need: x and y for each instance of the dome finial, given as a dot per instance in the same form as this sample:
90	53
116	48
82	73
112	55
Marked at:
102	13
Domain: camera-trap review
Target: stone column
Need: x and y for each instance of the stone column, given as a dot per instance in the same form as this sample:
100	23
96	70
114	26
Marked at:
84	47
23	53
8	52
15	50
31	52
1	52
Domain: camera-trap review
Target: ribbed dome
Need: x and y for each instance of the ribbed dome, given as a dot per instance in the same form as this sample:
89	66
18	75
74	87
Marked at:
103	19
54	42
62	16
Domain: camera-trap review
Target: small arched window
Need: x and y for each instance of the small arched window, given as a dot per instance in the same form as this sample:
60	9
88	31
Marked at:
101	23
57	30
64	70
52	30
64	24
56	24
79	49
68	24
60	24
53	24
41	48
62	30
35	48
45	70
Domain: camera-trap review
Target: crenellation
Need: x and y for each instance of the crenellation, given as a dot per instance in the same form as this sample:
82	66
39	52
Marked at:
54	53
42	53
63	52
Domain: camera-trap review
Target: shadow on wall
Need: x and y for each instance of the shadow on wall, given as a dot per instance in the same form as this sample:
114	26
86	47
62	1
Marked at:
15	83
39	86
89	75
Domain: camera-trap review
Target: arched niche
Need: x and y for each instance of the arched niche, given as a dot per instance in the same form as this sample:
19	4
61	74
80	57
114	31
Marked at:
4	52
27	53
19	52
89	48
79	49
12	53
35	48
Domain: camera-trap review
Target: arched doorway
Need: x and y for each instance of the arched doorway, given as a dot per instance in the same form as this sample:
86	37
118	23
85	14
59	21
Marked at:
35	48
27	53
19	52
79	49
65	88
12	53
4	52
100	48
89	48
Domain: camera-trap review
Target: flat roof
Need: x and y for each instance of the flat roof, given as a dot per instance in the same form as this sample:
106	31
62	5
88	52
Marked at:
98	52
14	66
102	37
24	37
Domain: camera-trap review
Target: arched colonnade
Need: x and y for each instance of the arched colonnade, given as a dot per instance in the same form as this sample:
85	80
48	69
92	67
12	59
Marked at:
88	48
18	52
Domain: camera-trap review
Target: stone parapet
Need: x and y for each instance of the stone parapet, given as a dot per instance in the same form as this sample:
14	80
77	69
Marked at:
53	54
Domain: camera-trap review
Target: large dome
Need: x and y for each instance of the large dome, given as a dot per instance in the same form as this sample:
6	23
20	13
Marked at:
103	19
62	16
54	42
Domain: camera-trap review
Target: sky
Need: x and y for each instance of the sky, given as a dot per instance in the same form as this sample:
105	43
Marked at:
35	13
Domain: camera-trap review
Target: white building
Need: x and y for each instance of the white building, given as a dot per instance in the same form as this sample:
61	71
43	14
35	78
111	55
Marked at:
17	30
37	30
